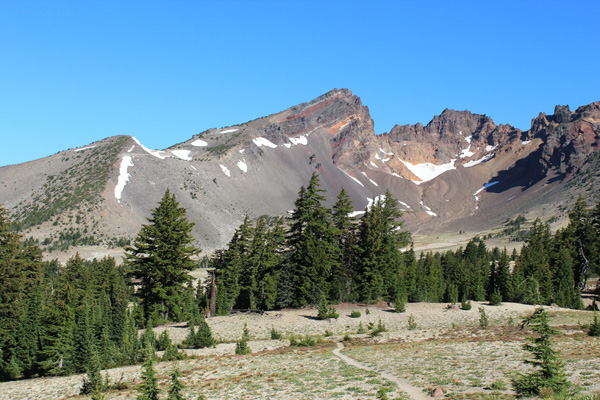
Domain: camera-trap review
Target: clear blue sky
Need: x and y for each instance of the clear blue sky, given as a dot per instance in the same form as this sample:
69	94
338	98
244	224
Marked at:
73	72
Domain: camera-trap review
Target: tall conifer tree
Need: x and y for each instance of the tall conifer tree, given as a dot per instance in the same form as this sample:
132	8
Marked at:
161	258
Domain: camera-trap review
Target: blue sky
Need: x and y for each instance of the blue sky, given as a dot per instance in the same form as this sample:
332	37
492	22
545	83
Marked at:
73	72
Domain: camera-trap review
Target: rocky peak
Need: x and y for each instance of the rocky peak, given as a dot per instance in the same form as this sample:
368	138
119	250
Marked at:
569	137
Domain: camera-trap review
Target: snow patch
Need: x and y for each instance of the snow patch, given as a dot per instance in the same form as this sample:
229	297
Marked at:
396	175
427	171
387	154
466	153
123	176
229	130
288	145
194	168
242	165
373	164
490	148
84	148
261	141
182	154
468	139
487	185
155	153
525	142
427	209
199	143
131	149
242	151
225	170
355	214
372	181
404	204
299	140
485	158
351	177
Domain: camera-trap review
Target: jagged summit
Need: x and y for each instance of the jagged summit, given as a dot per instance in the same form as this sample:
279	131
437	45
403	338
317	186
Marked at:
461	171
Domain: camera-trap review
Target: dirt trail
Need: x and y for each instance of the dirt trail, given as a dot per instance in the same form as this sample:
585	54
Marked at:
413	392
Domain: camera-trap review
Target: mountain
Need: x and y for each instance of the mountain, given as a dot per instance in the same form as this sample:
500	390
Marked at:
460	172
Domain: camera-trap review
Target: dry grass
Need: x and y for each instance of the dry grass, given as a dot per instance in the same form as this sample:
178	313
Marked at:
447	351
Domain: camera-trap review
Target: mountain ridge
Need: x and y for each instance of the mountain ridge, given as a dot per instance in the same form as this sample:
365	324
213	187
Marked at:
460	172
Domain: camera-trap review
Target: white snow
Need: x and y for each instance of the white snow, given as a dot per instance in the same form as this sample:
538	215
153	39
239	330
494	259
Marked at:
427	171
193	168
85	148
490	148
404	204
299	140
355	214
123	176
225	170
485	158
373	164
242	151
427	209
155	153
288	145
261	141
485	186
229	130
382	159
353	178
372	181
466	152
377	157
396	175
199	143
468	139
242	165
387	154
525	142
378	199
182	154
131	149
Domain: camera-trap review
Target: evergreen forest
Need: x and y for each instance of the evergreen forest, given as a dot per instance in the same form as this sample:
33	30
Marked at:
87	315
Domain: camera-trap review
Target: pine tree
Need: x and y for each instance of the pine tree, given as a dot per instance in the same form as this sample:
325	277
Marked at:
176	387
312	240
380	261
229	265
241	347
549	373
160	259
343	274
148	388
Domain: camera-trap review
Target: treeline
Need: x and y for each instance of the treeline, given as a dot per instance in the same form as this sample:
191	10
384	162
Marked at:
84	316
318	255
63	320
323	255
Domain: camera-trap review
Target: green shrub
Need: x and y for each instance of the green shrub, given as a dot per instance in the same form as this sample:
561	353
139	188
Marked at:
347	338
465	305
412	324
379	329
355	314
496	298
483	319
361	329
498	385
306	341
595	327
241	347
275	335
